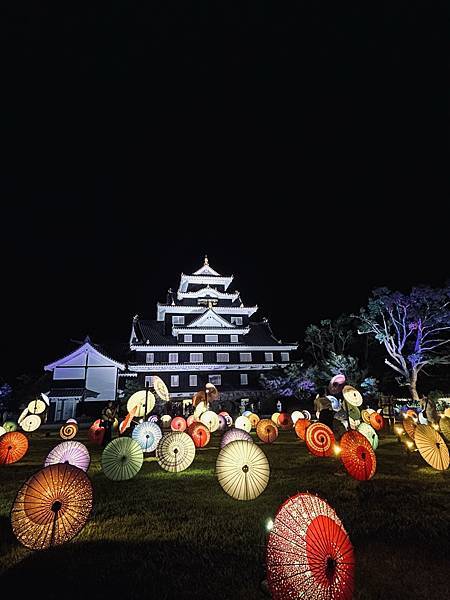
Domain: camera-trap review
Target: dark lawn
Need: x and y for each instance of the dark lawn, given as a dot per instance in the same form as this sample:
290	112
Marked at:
163	535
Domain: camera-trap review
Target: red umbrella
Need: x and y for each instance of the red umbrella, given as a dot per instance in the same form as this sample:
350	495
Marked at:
267	431
377	421
178	424
13	446
301	426
358	456
96	432
199	433
320	439
284	421
309	553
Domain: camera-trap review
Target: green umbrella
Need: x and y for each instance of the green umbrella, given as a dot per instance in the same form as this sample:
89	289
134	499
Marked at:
369	432
9	426
122	459
353	412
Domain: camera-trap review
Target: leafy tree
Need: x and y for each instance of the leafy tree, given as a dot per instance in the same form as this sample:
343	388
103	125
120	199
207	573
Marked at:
330	337
293	381
414	329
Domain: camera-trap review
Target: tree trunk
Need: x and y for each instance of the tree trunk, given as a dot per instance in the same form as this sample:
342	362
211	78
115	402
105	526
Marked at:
413	386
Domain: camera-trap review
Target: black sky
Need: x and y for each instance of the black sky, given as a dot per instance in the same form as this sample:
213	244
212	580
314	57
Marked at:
302	148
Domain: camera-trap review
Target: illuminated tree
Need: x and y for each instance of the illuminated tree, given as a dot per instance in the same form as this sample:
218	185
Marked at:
414	329
293	381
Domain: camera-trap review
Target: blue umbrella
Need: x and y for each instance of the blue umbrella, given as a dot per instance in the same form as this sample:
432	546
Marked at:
147	435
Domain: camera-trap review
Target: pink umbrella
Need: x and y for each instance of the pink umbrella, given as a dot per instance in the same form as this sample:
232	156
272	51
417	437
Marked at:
71	452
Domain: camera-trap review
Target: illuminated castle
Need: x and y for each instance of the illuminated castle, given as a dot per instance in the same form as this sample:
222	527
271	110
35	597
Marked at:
203	333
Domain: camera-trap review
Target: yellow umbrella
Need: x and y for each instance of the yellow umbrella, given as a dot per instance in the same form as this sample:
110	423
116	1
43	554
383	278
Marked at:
274	418
211	420
31	423
36	407
243	423
254	420
138	399
199	410
444	424
242	470
432	447
175	451
161	388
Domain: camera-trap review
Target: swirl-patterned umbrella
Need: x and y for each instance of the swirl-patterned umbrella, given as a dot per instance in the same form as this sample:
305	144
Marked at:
122	459
369	432
301	426
96	432
243	423
365	416
307	414
309	554
68	431
52	507
267	431
13	446
178	424
199	434
358	456
242	470
143	401
284	421
319	439
175	451
71	452
235	434
147	435
431	446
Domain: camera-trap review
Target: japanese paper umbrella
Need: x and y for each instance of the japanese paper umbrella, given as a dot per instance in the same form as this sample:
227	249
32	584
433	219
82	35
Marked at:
96	432
212	392
127	421
198	397
377	421
37	406
319	439
444	424
13	446
309	553
254	420
10	426
31	423
199	434
178	424
22	415
267	431
175	451
284	421
2	431
147	435
71	452
242	470
68	431
235	434
122	459
211	420
223	425
274	418
352	396
358	456
301	426
431	446
365	416
369	432
243	423
410	426
138	400
190	420
161	388
52	506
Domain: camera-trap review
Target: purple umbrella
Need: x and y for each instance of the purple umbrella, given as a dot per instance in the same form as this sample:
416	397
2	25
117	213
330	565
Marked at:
72	452
234	434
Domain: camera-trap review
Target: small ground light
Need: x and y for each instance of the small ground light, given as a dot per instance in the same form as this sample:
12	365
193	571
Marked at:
436	426
337	450
269	524
410	445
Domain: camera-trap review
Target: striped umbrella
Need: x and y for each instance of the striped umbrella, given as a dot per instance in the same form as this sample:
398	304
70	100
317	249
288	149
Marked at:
122	459
52	506
319	439
175	451
358	456
147	435
431	446
13	446
242	470
235	434
267	431
71	452
309	554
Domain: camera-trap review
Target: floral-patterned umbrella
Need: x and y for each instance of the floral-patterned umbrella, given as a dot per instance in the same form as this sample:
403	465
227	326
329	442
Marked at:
52	506
309	554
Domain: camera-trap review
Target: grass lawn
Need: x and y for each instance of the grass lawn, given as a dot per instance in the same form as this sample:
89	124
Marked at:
175	536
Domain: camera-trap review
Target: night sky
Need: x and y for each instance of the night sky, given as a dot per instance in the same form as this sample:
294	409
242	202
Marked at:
302	151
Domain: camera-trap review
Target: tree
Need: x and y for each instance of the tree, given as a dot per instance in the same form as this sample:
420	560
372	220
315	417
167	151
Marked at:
329	337
414	329
293	381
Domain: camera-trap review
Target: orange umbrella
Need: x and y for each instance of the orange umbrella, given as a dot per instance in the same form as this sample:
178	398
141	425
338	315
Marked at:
309	553
376	421
254	420
199	433
13	446
411	413
432	447
301	426
320	439
267	431
410	426
52	506
358	456
284	421
127	421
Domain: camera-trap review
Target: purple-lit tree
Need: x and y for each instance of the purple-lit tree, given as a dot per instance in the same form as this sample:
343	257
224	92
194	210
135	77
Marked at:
414	328
293	381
